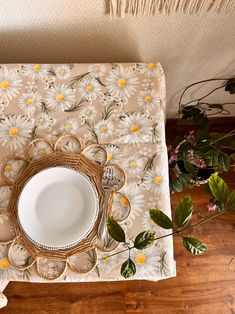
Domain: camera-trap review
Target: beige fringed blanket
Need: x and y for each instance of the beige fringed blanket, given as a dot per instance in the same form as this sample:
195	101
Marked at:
119	8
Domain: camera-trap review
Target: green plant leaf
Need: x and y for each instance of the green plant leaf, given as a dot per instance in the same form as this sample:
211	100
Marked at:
220	206
207	189
186	180
211	157
144	239
115	230
198	116
219	188
176	186
183	212
224	162
232	156
194	246
128	269
160	218
231	200
189	167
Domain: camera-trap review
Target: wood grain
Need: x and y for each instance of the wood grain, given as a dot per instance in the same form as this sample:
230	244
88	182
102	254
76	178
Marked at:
204	284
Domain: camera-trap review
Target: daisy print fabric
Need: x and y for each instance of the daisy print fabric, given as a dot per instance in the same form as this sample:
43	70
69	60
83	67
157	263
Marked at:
120	107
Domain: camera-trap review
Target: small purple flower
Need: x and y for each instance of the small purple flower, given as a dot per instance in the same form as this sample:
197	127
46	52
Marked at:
173	156
211	207
190	137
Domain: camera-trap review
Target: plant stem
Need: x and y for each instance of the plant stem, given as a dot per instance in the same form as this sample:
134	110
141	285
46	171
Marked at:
199	82
174	232
231	133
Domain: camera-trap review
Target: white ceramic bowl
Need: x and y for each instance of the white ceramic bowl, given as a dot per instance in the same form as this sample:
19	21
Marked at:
58	207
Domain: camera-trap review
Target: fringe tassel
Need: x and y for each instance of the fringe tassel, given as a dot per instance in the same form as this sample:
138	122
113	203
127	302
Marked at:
120	8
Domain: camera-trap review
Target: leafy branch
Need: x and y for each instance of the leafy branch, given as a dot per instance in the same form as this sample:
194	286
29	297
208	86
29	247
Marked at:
76	107
45	108
92	130
77	78
221	197
109	111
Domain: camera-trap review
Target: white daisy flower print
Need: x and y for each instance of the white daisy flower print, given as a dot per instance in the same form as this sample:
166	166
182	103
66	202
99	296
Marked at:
62	72
156	180
69	126
152	69
60	97
97	70
133	165
88	113
148	99
5	194
7	272
30	102
103	128
161	150
89	89
12	168
145	261
10	83
36	71
107	264
129	196
134	128
41	149
15	131
113	153
122	83
43	121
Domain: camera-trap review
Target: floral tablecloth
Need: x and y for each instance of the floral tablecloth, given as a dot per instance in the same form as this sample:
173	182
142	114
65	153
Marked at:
120	106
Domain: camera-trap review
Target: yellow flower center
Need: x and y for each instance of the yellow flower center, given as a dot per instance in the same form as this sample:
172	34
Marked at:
7	167
148	99
97	69
37	67
41	152
68	127
151	66
157	180
5	84
106	259
89	88
133	164
62	72
29	101
124	201
42	120
4	263
13	132
134	128
110	156
121	83
104	129
59	97
89	112
140	259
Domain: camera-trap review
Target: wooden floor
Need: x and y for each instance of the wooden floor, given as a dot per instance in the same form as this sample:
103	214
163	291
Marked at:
204	284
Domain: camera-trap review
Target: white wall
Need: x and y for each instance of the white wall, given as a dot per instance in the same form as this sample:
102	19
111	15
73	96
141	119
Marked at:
190	48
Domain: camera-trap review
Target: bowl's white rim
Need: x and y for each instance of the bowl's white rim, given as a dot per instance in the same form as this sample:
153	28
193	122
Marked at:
61	247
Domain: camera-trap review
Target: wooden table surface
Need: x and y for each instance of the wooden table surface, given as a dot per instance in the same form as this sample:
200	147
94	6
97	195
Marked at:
204	284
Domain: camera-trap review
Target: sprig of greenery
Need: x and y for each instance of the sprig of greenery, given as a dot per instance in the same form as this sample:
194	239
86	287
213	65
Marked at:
77	78
92	130
76	107
219	191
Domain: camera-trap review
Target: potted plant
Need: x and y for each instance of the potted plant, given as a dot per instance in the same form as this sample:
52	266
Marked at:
195	156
